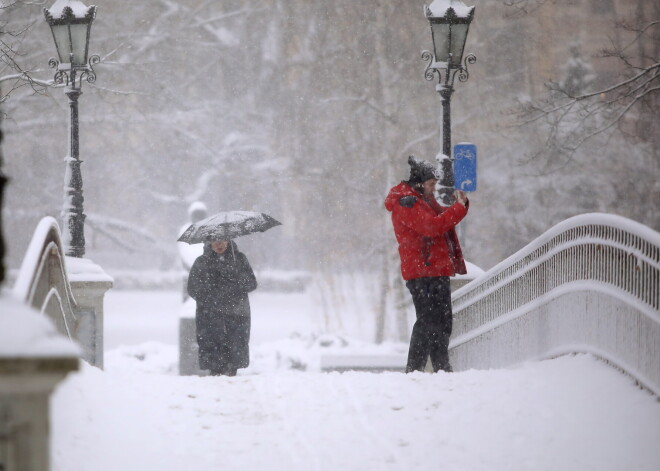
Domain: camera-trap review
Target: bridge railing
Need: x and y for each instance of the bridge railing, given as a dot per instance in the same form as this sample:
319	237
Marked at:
68	290
589	284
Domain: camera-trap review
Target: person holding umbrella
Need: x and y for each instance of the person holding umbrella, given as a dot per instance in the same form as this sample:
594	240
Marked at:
430	253
219	281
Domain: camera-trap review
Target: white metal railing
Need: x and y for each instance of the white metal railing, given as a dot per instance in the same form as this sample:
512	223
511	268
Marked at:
70	291
589	284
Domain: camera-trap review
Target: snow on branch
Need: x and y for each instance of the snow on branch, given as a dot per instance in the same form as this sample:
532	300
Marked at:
363	99
523	7
128	236
572	114
199	189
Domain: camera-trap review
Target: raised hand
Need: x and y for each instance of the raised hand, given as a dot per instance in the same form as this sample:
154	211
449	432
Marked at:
460	197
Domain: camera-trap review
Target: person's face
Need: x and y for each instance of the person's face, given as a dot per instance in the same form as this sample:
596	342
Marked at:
429	186
219	246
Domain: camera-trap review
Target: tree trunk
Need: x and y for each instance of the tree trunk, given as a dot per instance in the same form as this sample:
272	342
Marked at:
401	309
381	313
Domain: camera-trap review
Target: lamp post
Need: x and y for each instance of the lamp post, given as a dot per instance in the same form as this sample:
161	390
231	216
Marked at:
450	21
3	182
70	22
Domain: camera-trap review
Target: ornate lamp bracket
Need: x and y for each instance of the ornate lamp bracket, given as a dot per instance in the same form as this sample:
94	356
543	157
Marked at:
463	74
67	74
431	70
446	70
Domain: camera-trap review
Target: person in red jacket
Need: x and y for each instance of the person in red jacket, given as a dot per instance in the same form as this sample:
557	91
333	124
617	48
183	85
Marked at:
430	253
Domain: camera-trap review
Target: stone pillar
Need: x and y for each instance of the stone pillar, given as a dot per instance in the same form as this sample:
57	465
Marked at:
89	283
188	348
34	357
25	388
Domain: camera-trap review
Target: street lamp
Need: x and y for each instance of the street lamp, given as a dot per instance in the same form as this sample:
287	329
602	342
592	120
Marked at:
450	21
70	22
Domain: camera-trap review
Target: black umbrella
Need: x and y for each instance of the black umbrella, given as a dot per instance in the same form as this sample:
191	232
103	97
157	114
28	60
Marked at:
227	225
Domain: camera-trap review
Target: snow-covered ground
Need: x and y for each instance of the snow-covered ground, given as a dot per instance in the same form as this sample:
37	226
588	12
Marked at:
572	413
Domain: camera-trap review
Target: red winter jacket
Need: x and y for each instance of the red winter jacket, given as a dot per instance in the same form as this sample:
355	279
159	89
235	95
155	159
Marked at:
428	245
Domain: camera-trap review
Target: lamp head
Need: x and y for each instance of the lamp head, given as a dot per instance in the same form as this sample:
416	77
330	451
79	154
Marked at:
450	21
70	22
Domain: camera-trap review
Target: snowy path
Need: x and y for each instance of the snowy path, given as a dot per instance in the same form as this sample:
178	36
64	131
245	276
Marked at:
572	413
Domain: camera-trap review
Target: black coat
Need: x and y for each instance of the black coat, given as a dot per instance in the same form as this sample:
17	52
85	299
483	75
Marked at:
220	285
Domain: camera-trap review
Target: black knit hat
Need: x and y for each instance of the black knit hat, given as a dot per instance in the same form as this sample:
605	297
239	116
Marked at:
421	170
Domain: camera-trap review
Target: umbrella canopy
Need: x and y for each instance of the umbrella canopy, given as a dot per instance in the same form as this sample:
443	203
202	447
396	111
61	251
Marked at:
227	225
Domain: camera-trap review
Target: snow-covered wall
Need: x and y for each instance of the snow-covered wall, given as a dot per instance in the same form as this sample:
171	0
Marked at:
589	284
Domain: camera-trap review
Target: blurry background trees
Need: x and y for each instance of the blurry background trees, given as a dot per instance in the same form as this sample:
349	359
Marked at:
307	110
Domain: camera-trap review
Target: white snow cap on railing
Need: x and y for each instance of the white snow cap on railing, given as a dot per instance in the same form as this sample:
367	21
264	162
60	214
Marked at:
33	255
602	219
440	7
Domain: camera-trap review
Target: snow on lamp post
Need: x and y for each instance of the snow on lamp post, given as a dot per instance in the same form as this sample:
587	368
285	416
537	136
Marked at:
450	21
70	22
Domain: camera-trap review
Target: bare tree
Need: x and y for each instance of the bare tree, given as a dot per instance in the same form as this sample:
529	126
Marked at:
13	75
574	116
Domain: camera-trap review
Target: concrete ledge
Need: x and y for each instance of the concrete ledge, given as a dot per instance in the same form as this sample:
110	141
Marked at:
29	366
363	362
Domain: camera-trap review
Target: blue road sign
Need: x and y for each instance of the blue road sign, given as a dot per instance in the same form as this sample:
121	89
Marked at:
465	167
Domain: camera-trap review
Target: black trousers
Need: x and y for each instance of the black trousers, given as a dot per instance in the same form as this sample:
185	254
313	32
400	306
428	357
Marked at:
430	336
223	342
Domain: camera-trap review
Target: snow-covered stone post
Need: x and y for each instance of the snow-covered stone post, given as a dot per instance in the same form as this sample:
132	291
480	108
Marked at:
34	357
71	22
89	283
450	21
188	348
